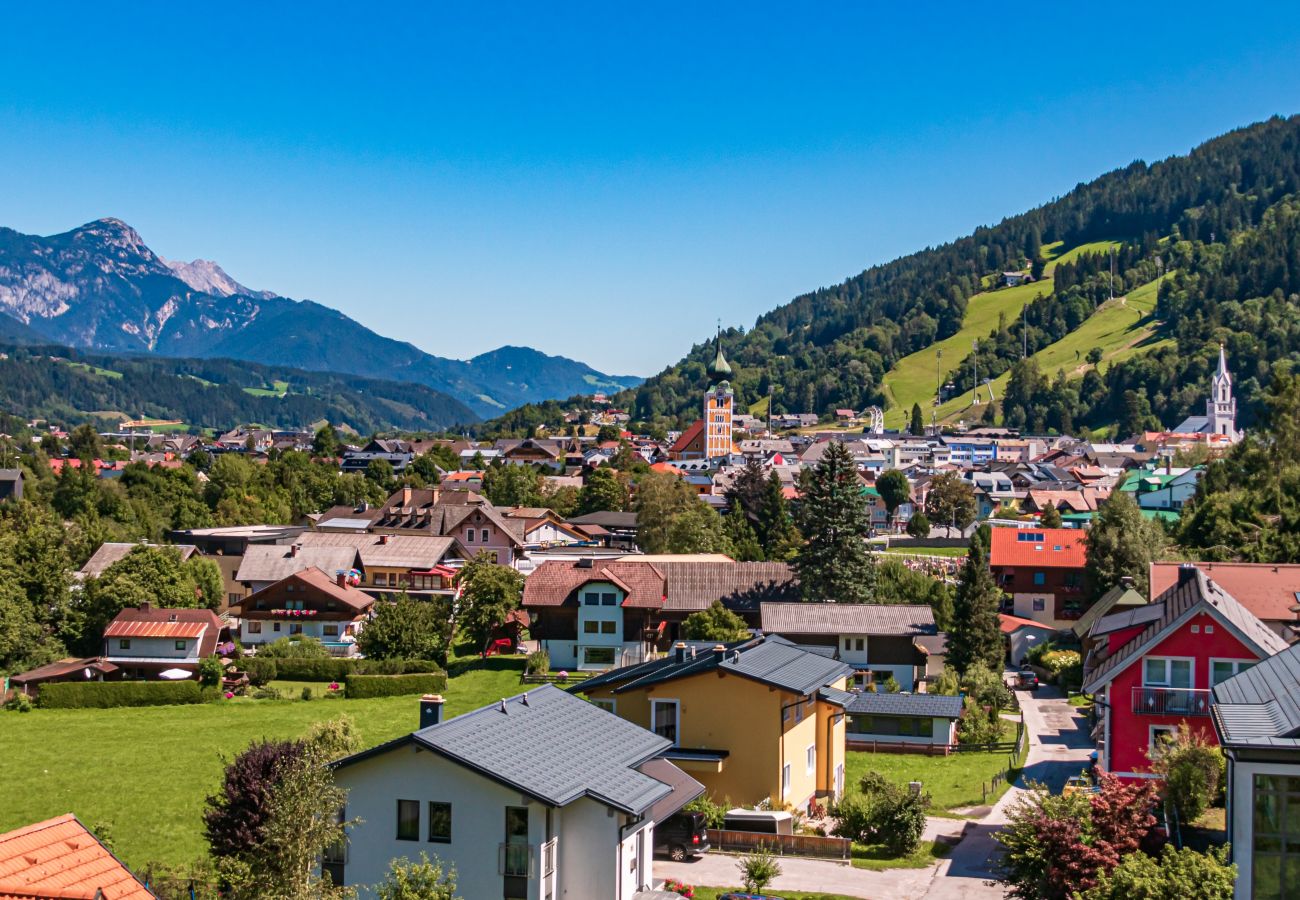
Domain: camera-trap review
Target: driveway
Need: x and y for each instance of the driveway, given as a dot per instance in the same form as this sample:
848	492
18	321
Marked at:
1058	748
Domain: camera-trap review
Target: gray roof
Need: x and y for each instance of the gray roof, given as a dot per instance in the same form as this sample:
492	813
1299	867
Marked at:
1185	598
273	562
1139	615
836	696
1119	597
847	618
684	788
399	551
111	552
770	660
871	703
555	747
1261	706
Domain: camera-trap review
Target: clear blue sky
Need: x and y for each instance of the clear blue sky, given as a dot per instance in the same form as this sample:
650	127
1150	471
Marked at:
596	180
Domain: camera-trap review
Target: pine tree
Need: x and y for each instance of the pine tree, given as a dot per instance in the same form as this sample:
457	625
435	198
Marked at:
745	545
975	637
775	529
835	563
918	423
747	491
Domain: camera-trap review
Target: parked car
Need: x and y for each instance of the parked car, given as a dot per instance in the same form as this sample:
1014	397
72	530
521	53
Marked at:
1027	680
682	835
1079	784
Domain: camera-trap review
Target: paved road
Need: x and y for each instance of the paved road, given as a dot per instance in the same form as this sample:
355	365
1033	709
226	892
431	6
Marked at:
1058	748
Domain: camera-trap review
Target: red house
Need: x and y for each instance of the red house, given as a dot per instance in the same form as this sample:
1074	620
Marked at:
1042	572
1161	661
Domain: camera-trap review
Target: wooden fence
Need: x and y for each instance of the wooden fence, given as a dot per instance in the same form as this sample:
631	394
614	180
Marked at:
782	844
1013	764
873	746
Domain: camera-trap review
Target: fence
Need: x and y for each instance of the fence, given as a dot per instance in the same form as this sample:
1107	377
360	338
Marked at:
782	844
1013	764
874	746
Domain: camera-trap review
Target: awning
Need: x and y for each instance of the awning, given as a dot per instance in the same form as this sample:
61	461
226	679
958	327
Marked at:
175	674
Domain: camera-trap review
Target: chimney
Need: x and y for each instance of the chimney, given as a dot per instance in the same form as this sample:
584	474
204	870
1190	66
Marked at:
1126	581
719	652
586	562
293	550
341	578
1186	572
406	495
679	650
383	539
431	710
144	606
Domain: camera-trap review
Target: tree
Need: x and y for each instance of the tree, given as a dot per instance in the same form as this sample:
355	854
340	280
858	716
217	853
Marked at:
513	485
1050	517
698	529
899	584
660	498
1192	769
1178	875
950	501
975	636
234	819
758	869
918	526
607	433
1095	355
380	473
326	442
1121	543
423	880
489	593
84	443
894	489
426	466
917	426
775	528
741	539
834	564
747	491
408	629
885	813
717	623
604	491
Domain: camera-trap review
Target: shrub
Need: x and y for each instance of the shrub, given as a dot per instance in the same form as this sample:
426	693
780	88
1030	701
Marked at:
715	814
306	693
313	669
539	662
986	687
210	672
884	813
267	693
19	702
294	648
1057	661
1178	873
1193	772
108	694
359	686
978	725
759	869
260	670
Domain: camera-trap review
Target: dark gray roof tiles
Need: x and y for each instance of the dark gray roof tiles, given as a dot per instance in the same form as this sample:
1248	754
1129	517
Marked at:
1260	707
836	696
933	705
1138	615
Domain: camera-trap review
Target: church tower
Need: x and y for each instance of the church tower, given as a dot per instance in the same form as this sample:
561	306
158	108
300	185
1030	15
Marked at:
719	408
1221	408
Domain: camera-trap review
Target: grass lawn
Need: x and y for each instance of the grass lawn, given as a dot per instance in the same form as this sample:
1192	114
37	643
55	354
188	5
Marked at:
146	770
1080	701
928	551
877	858
713	893
95	370
953	782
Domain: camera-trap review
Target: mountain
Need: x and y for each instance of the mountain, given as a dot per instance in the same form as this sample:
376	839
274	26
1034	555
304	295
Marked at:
100	287
71	387
1152	266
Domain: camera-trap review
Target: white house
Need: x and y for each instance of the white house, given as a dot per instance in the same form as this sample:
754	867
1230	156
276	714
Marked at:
145	642
538	797
307	604
903	718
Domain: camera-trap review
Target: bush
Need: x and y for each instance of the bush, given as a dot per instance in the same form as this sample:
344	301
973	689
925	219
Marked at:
267	693
1178	873
978	725
294	648
715	814
986	687
19	702
304	669
539	662
211	672
109	694
883	813
1057	661
306	693
359	686
260	670
1193	771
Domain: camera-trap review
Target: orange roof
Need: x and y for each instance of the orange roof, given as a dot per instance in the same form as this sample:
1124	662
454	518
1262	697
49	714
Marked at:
669	468
1008	624
1042	548
60	858
129	629
689	435
1268	590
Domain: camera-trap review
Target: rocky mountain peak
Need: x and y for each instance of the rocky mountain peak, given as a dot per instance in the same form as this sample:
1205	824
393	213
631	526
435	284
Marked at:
206	276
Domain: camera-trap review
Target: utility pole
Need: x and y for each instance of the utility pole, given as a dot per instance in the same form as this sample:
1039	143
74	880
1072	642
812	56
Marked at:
975	380
1024	331
1112	273
938	376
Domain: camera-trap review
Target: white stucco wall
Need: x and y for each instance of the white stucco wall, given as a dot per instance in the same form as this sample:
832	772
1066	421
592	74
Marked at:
153	647
943	732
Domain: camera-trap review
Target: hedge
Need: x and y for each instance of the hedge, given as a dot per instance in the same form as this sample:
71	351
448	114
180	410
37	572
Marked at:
108	694
289	668
359	686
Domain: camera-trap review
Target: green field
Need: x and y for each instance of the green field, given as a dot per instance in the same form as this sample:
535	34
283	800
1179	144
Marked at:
145	771
277	389
95	370
913	379
927	551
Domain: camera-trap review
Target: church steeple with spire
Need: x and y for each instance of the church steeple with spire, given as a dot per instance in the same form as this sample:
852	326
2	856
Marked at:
719	407
1221	408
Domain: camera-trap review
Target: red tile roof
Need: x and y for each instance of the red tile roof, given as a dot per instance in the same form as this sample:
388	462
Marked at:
60	858
689	435
148	622
128	629
556	582
1009	624
1268	590
1056	548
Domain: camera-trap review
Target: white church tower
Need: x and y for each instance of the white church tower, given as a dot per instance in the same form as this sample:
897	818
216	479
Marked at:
1221	408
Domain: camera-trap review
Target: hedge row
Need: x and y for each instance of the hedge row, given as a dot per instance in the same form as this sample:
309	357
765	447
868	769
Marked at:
107	694
291	668
359	686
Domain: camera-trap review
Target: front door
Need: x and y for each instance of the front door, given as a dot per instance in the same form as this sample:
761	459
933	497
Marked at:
515	853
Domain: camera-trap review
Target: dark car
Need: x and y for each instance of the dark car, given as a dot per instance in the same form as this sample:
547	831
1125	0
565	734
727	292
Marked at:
681	836
1027	680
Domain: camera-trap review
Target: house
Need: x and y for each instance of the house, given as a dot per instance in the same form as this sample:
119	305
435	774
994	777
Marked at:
226	547
910	721
147	642
620	526
539	796
308	604
756	720
61	858
1042	572
1158	672
11	485
1268	590
266	564
111	552
389	564
542	527
1022	635
1168	490
1256	716
91	668
877	641
478	526
1014	279
1119	599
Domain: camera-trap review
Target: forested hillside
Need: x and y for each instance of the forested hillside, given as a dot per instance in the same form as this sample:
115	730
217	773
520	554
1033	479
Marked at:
1191	216
69	387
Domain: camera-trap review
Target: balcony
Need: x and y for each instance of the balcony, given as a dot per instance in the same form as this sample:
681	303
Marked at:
520	860
1163	701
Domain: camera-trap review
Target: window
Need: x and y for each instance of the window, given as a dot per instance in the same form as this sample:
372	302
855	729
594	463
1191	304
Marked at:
180	645
847	642
439	823
1030	537
1223	669
1275	846
607	705
1161	672
275	626
598	656
1040	604
665	719
590	627
483	536
295	628
330	630
1159	737
469	535
408	820
1040	578
124	644
254	627
591	599
785	779
608	627
608	599
860	644
811	758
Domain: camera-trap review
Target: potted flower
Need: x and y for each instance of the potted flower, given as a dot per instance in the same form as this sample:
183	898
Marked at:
562	676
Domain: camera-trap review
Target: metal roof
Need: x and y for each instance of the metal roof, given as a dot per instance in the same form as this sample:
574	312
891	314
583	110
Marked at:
1261	706
1127	619
273	562
836	697
847	618
940	706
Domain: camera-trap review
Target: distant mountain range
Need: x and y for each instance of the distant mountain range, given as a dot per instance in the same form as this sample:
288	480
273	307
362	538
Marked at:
100	287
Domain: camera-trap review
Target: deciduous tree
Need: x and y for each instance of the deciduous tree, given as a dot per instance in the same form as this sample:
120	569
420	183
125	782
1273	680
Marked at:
489	593
894	489
408	629
950	501
717	623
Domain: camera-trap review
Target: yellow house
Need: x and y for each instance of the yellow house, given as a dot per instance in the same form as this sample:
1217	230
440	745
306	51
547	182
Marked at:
752	721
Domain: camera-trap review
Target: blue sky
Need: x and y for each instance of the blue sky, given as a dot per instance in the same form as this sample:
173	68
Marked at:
601	180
